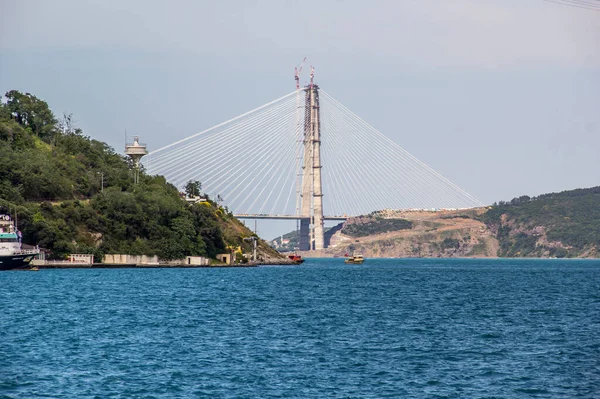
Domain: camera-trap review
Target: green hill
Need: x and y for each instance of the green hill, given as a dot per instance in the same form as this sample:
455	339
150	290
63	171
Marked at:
363	226
51	176
565	224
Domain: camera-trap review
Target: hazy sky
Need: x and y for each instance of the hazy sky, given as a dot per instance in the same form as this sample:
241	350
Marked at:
500	96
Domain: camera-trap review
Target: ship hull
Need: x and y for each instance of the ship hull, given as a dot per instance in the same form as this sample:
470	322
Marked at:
9	262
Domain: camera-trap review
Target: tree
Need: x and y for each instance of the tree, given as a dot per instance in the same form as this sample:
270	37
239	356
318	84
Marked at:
192	188
30	111
67	125
4	111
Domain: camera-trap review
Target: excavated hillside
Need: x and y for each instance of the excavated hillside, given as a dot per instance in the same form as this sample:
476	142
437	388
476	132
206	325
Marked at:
436	234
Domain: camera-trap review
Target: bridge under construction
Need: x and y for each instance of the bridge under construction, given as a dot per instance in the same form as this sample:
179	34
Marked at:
304	156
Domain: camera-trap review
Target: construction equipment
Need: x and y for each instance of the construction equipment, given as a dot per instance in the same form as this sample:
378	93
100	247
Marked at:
297	70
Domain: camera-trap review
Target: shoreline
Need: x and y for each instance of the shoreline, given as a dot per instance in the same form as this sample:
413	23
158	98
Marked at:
258	264
155	266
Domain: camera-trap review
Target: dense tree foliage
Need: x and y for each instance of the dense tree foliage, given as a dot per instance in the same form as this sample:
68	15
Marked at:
450	243
29	111
556	224
51	176
369	225
52	164
192	188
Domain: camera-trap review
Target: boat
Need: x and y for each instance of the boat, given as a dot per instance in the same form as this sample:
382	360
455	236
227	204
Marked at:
355	260
12	256
297	259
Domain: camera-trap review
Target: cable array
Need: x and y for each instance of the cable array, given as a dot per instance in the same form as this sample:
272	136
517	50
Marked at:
585	4
254	163
363	170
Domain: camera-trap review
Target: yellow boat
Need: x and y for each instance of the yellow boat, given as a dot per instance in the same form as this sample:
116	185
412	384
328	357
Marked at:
355	260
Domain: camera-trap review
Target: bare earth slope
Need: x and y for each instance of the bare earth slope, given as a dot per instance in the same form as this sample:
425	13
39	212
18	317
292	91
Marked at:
433	234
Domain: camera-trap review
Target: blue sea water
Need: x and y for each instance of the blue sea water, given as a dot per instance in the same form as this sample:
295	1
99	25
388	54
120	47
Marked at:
393	328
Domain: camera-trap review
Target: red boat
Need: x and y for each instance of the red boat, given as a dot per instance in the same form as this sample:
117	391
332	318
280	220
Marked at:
296	258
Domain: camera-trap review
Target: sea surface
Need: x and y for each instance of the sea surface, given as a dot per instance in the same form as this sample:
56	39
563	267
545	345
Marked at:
390	328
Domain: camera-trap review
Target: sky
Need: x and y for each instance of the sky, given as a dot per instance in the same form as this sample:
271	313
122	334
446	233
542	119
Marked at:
502	97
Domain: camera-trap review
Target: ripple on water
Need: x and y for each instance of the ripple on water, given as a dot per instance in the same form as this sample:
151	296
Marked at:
388	328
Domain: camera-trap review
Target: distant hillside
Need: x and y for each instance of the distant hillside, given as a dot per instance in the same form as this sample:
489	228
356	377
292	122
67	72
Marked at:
565	224
289	242
73	194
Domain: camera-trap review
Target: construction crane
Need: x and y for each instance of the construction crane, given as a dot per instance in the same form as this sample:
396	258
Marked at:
297	70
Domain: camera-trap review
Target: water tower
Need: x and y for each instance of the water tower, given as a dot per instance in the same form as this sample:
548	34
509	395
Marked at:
136	151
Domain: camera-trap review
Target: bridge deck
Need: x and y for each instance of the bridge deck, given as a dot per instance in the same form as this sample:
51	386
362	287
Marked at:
285	217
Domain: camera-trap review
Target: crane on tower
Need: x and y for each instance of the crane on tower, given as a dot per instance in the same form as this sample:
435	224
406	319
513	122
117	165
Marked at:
297	70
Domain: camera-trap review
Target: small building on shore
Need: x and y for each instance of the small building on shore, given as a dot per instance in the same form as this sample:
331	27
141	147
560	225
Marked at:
196	261
225	258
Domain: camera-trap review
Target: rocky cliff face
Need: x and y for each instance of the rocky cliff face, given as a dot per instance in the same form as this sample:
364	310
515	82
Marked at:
564	224
526	239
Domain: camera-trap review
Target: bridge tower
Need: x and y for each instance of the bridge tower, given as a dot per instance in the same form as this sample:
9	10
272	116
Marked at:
311	223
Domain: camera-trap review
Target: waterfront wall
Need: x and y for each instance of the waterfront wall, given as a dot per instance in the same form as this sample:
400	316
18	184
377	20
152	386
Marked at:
122	259
142	260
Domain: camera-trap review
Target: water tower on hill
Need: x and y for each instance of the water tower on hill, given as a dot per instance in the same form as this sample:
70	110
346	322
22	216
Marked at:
136	151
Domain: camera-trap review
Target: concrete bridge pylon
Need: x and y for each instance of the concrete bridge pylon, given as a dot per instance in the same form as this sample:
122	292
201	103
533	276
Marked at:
311	223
